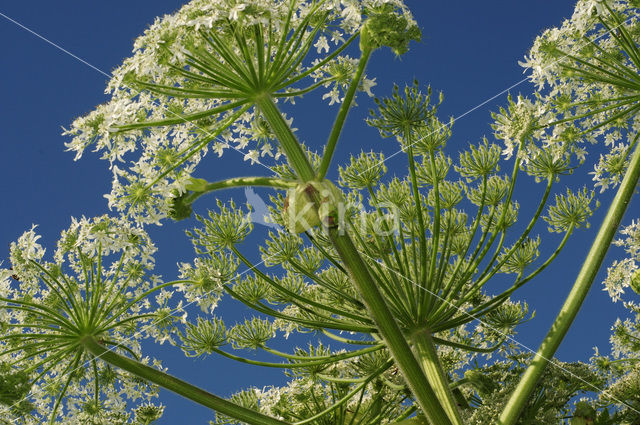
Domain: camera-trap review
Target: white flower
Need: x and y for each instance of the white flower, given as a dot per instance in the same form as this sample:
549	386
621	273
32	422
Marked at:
253	155
367	85
235	10
333	96
322	44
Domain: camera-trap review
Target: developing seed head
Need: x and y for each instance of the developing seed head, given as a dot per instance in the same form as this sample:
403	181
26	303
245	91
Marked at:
523	255
547	165
400	115
280	248
292	283
252	333
507	316
496	190
432	136
570	211
148	413
396	193
494	220
450	194
453	222
425	172
203	337
252	288
479	161
310	260
363	171
223	229
460	242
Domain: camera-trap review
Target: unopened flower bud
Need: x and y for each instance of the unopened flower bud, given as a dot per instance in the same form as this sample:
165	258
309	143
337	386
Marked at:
301	211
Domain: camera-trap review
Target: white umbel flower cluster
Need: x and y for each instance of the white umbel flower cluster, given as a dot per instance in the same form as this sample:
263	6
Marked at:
588	72
624	273
97	285
191	84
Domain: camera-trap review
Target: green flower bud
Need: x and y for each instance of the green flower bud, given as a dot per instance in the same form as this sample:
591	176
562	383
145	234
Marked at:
301	211
386	28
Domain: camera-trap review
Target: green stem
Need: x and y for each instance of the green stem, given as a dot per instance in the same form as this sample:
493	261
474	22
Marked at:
428	355
289	143
239	182
389	329
178	386
359	272
418	203
577	295
342	114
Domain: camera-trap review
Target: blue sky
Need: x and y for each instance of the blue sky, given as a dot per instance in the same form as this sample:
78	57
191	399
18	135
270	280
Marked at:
469	51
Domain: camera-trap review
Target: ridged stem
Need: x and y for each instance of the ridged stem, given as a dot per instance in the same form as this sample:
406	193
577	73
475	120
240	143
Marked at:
577	295
289	143
342	114
364	282
389	330
427	353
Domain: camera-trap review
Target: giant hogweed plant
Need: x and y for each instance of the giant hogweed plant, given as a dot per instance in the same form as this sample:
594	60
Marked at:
391	273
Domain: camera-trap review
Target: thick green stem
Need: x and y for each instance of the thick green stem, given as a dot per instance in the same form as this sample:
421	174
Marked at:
296	156
249	181
389	329
358	270
577	295
178	386
428	355
342	114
